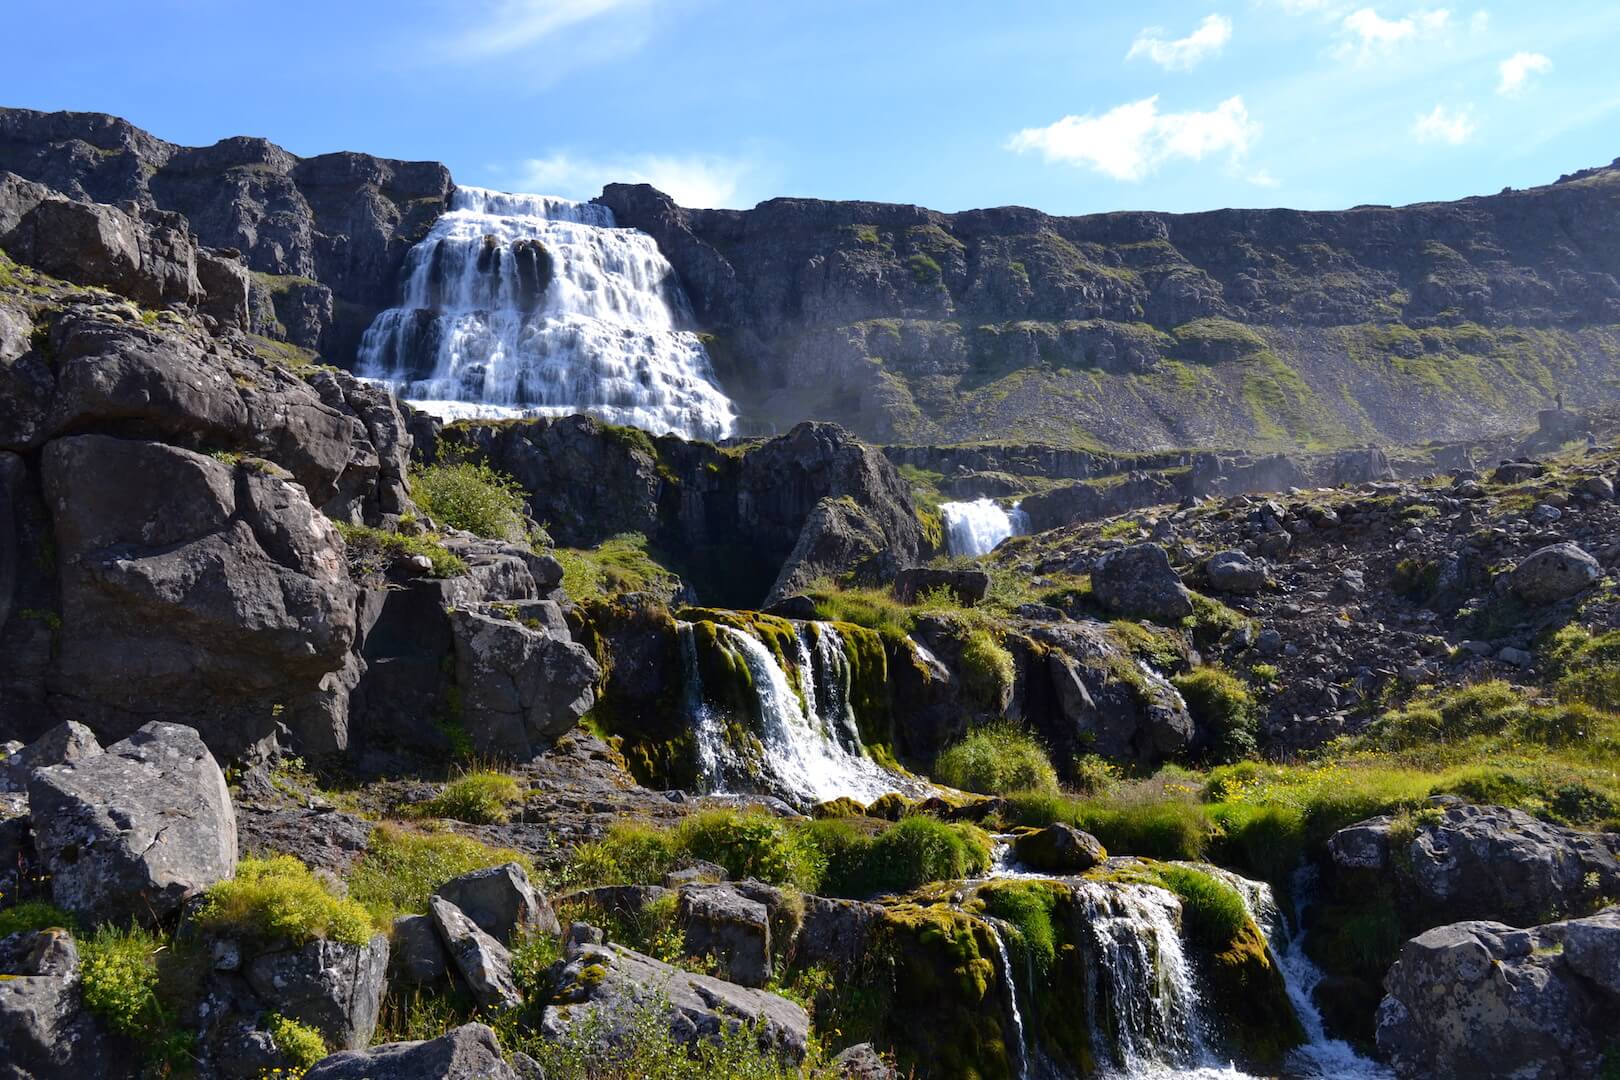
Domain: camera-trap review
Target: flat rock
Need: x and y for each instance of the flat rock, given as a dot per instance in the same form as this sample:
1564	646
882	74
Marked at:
469	1052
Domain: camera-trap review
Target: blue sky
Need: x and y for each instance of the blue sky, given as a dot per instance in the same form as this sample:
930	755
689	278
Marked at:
1071	107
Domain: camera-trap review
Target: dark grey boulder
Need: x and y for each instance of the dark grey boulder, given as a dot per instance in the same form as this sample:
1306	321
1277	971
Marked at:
967	586
469	1052
417	951
136	831
45	1032
67	741
334	987
1554	573
1484	862
1482	1000
1139	581
720	921
503	902
483	963
1592	949
606	989
1236	573
1059	849
522	687
863	1062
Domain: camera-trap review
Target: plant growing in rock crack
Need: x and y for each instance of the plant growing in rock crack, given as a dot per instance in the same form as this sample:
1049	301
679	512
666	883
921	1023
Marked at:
482	797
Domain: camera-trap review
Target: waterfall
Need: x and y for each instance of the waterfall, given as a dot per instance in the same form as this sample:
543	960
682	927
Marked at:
975	528
527	305
809	749
1009	984
1320	1056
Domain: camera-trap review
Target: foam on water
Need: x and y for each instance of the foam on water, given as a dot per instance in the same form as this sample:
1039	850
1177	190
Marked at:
975	528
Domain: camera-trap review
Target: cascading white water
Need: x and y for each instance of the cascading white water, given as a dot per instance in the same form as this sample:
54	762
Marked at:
975	528
1009	985
527	305
807	756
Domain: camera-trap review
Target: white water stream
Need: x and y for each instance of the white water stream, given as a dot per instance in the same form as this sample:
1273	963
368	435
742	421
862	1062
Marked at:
809	748
528	305
975	528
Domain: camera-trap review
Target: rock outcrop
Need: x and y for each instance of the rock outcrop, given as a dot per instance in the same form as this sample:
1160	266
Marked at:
469	1052
43	1026
135	831
1480	999
324	236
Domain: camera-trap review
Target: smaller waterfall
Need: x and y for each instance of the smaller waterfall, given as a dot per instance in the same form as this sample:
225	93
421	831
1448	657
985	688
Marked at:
809	747
975	528
1010	985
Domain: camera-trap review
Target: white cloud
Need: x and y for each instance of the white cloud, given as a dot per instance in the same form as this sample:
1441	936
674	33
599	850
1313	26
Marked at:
1442	124
1368	34
1183	53
692	180
1131	141
495	27
1263	178
1517	69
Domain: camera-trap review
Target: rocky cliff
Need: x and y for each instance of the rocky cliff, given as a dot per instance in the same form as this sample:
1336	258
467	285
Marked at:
323	237
1144	330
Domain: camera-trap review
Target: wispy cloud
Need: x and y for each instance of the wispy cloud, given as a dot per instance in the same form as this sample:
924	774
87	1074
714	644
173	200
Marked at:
695	180
497	27
1517	70
1445	125
1181	54
1131	141
1368	35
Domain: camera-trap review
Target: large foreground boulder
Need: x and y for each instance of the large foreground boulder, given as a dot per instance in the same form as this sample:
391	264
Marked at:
503	902
132	833
523	683
469	1052
606	990
1481	999
332	986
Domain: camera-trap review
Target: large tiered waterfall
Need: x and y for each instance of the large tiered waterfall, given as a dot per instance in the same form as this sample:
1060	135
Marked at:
975	528
807	748
520	305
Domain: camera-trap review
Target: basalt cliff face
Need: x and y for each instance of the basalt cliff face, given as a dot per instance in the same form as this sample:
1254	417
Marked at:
1146	330
323	237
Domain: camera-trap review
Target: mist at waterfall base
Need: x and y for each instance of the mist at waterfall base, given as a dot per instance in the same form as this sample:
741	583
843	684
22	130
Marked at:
527	305
1136	960
975	528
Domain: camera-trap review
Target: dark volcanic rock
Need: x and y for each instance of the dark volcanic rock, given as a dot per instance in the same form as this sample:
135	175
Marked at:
1059	849
469	1052
332	986
968	586
344	220
44	1028
134	832
502	901
1138	581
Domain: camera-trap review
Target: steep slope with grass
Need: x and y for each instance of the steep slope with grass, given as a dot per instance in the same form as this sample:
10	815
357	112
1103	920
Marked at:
1251	328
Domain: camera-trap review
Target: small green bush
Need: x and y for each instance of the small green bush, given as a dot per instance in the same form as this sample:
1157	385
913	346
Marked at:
917	850
120	984
1212	912
278	898
478	798
752	844
474	497
1222	705
997	759
402	868
370	548
299	1043
33	915
987	669
631	853
1028	906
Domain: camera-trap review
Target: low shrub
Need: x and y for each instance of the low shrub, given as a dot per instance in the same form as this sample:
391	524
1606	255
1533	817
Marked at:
478	798
997	759
986	668
278	898
474	497
372	549
401	868
752	844
33	915
916	851
632	853
1221	704
299	1043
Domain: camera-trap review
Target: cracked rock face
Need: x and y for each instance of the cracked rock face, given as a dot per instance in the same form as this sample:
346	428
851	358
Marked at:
132	833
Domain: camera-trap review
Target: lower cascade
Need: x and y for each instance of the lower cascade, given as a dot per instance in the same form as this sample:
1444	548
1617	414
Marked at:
795	735
527	305
975	528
